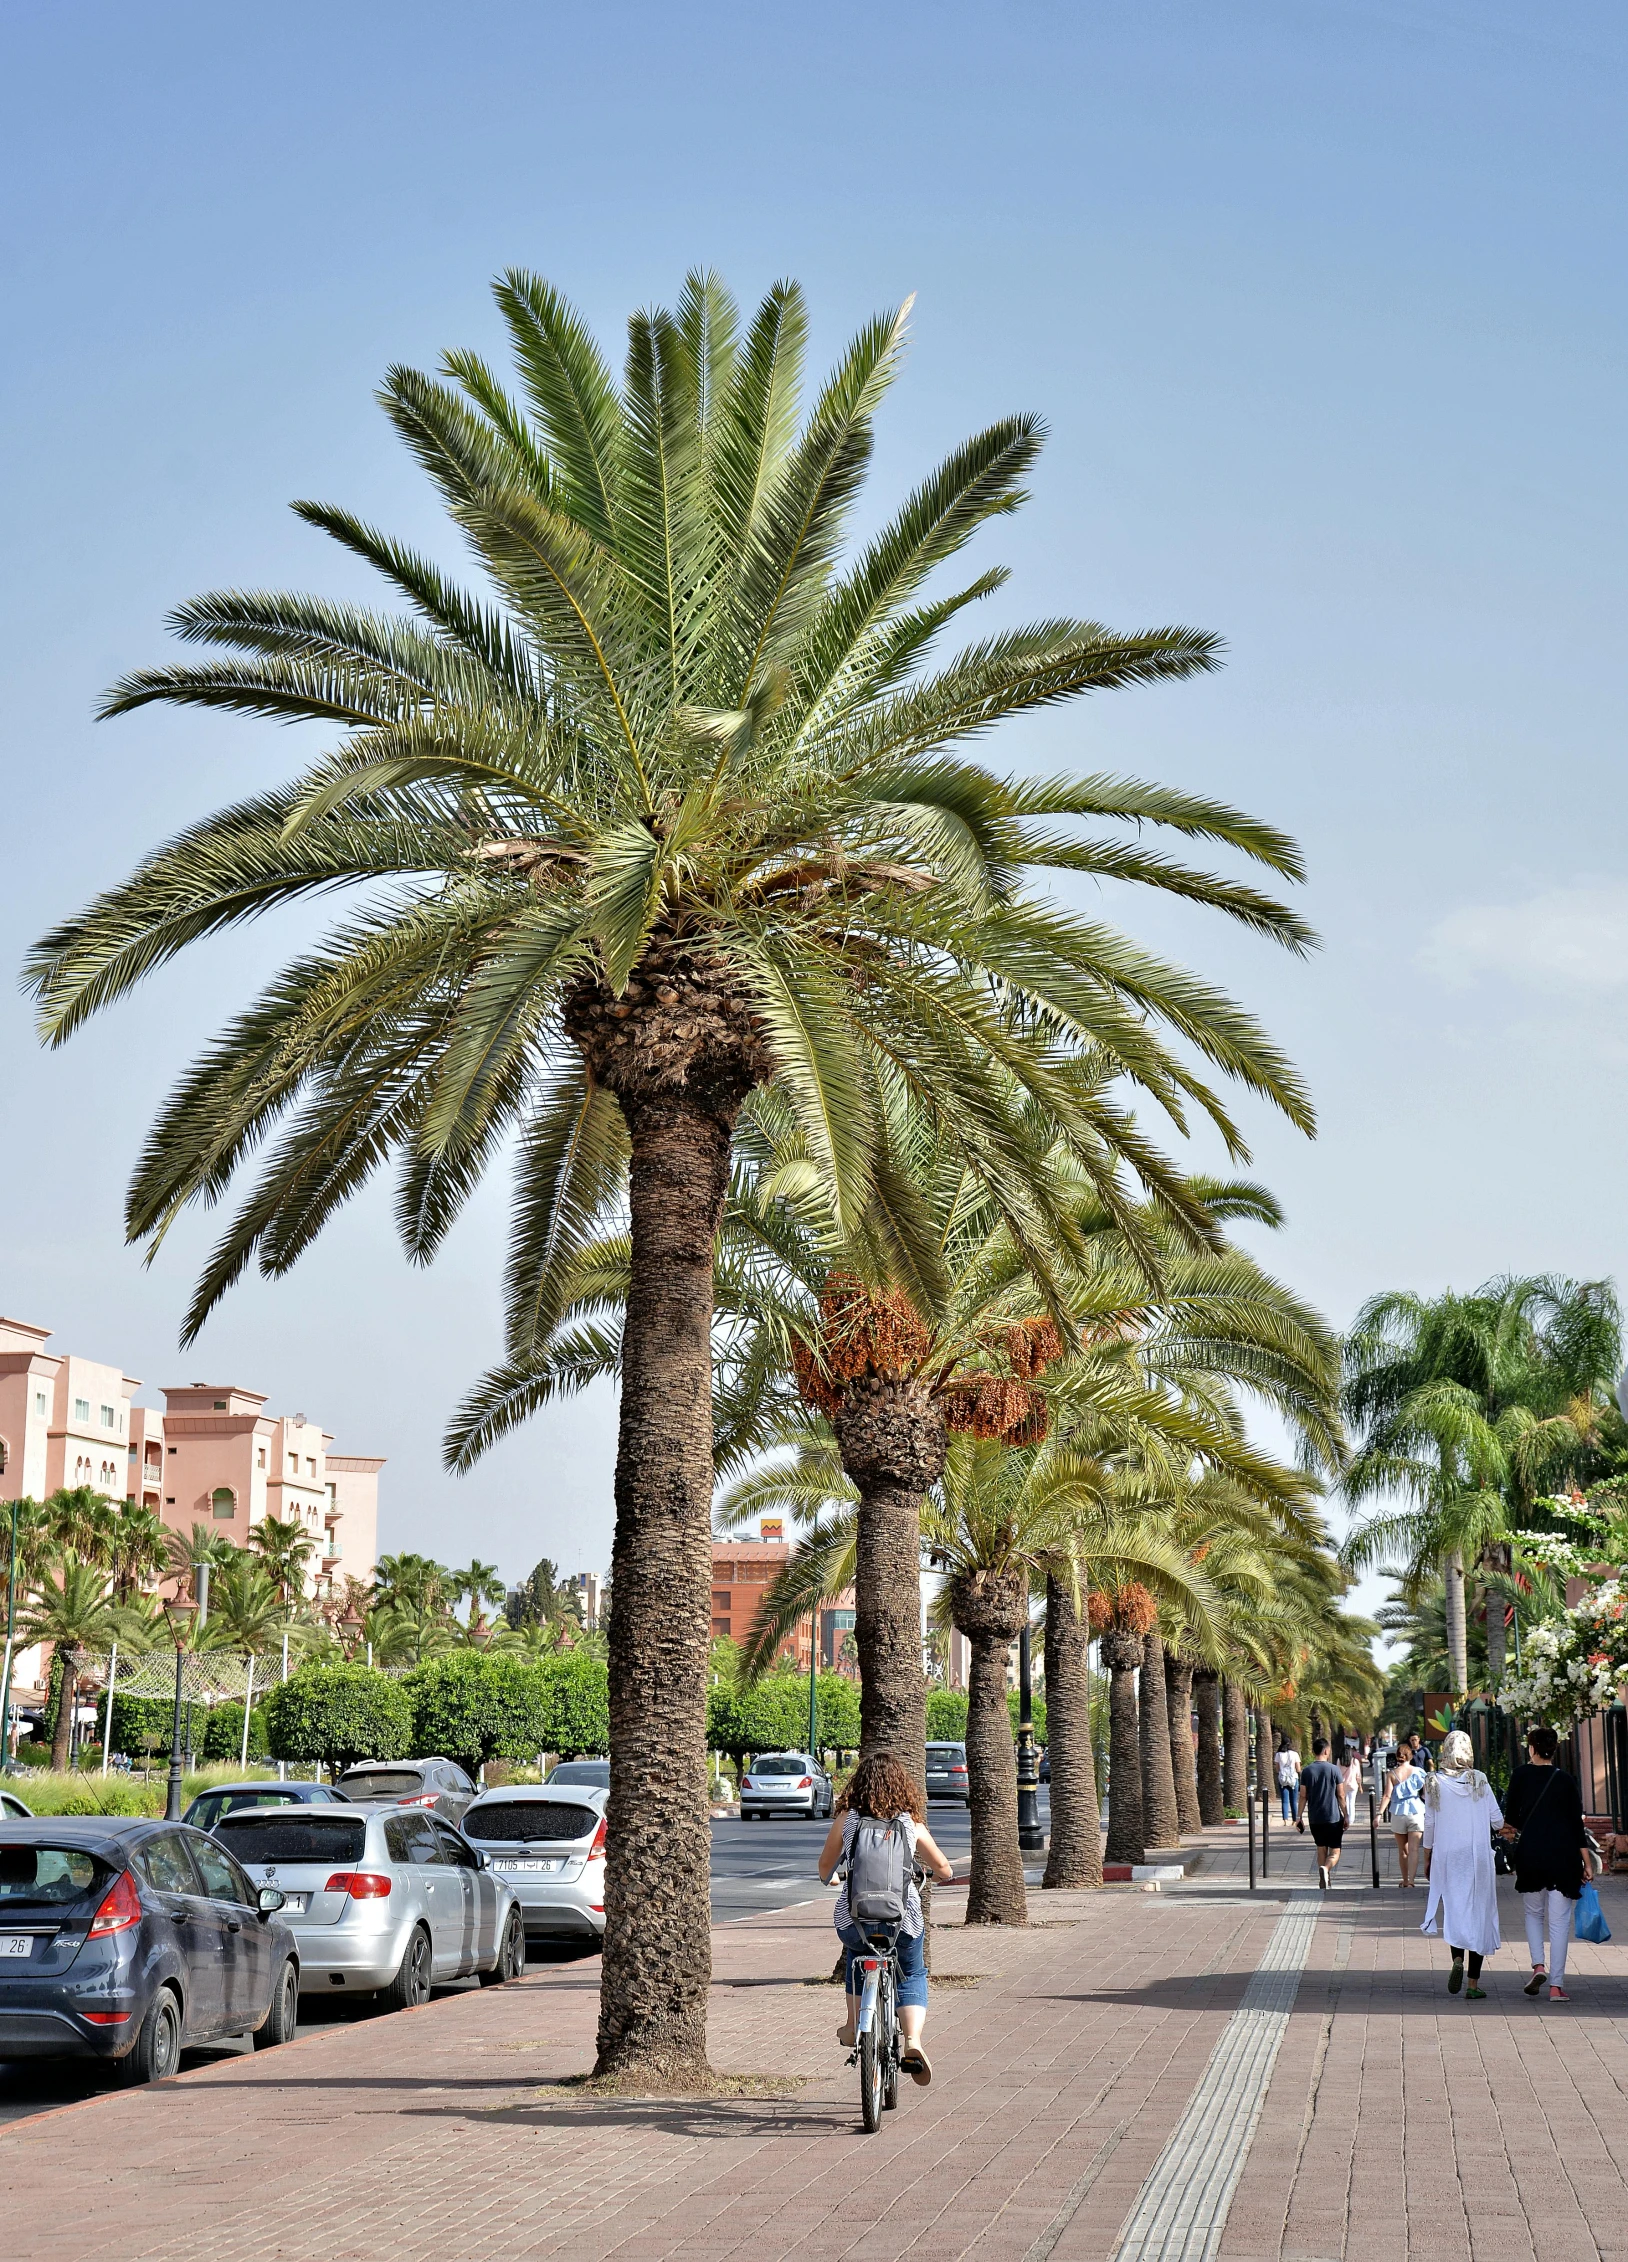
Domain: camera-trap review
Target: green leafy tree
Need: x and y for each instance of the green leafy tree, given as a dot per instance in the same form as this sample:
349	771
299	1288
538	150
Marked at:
223	1732
474	1705
338	1715
576	1705
680	805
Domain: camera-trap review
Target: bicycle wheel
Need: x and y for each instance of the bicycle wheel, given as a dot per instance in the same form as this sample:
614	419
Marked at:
887	2010
870	2077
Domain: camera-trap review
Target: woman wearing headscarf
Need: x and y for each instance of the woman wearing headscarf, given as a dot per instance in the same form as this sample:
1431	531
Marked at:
1460	1816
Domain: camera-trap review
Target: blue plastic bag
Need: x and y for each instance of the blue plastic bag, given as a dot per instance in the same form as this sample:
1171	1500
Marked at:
1591	1924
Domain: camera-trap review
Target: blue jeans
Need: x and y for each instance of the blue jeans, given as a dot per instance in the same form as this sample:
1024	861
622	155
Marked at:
1287	1793
912	1965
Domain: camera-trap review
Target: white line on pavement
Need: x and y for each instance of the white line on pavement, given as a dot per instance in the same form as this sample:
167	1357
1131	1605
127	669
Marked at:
1181	2210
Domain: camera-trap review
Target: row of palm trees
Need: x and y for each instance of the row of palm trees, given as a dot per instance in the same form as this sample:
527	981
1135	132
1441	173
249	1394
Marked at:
90	1573
675	842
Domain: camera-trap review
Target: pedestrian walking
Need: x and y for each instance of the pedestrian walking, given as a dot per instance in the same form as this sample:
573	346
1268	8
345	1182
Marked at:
1403	1811
1353	1784
1460	1816
1322	1804
1543	1825
1286	1767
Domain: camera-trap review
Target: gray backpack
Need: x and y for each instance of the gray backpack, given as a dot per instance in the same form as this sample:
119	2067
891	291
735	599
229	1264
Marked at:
877	1862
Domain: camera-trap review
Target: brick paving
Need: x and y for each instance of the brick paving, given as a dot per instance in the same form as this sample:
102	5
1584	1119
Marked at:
1060	2075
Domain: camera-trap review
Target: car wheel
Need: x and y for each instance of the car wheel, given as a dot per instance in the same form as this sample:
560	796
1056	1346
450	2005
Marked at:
511	1954
411	1985
157	2051
281	2019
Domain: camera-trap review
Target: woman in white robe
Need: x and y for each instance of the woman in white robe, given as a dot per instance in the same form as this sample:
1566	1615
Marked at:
1460	1815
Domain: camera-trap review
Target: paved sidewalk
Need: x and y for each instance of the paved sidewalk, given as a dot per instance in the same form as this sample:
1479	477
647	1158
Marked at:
1062	2071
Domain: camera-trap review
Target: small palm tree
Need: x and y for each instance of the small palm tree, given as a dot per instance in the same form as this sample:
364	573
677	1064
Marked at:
481	1586
286	1549
138	1552
246	1608
72	1609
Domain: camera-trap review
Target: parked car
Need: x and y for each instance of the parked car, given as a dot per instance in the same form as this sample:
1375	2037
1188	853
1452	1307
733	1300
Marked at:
127	1940
947	1773
548	1841
589	1774
12	1808
226	1798
437	1783
381	1902
786	1782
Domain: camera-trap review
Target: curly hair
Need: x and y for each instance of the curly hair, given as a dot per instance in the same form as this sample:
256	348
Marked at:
881	1787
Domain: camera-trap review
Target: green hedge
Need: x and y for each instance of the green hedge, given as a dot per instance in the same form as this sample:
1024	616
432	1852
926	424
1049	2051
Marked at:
473	1707
772	1715
222	1736
947	1715
339	1714
576	1706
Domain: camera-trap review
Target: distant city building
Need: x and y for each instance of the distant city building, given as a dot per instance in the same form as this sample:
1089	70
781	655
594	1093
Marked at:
214	1456
741	1571
585	1586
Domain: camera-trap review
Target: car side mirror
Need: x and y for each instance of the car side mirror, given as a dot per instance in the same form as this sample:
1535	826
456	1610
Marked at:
268	1900
482	1861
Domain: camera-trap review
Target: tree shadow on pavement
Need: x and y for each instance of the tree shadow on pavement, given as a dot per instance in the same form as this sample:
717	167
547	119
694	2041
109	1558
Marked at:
1392	1993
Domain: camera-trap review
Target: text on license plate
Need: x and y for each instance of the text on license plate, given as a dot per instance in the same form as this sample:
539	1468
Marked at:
16	1943
531	1866
296	1904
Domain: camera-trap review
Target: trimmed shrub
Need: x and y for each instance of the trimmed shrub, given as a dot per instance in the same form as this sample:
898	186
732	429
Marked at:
576	1706
772	1715
339	1715
222	1737
946	1716
473	1706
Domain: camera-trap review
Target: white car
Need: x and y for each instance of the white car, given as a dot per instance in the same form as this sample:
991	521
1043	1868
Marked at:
547	1841
382	1901
786	1782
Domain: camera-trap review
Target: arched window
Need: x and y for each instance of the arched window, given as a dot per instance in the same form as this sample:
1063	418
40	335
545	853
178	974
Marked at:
5	1455
225	1504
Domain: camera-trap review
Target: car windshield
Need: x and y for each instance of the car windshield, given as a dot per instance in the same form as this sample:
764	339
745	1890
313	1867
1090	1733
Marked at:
780	1763
299	1835
382	1783
529	1822
46	1876
594	1772
207	1811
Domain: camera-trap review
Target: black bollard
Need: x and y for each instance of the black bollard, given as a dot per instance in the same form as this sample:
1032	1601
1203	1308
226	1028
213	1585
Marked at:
1249	1810
1373	1838
1266	1835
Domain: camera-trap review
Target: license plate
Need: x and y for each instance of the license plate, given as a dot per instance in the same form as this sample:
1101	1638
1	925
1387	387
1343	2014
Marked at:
295	1904
16	1943
529	1868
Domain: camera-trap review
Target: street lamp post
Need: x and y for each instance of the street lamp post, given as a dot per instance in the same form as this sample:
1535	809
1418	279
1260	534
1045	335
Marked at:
1031	1837
178	1614
813	1685
11	1643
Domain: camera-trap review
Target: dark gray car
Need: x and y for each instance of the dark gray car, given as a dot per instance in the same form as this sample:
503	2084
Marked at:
127	1940
439	1784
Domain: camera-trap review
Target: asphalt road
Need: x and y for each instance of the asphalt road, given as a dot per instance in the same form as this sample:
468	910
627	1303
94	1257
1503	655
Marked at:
756	1866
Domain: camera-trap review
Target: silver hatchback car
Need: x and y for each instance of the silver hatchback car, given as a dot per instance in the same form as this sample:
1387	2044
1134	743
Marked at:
786	1782
547	1840
382	1901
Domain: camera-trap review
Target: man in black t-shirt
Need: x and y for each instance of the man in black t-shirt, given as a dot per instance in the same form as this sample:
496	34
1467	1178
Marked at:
1322	1803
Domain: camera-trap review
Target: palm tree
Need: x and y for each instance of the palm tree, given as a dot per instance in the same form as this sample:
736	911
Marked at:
246	1606
1470	1407
675	809
479	1584
286	1549
137	1553
71	1609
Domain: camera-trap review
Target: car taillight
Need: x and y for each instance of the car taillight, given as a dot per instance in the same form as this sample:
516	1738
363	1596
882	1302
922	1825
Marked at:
746	1782
104	2018
598	1846
360	1884
424	1798
807	1783
957	1770
121	1907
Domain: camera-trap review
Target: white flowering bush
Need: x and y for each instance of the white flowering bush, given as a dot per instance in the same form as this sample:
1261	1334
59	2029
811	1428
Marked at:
1572	1664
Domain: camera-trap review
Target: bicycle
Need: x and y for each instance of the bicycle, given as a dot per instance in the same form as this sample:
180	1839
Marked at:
877	2026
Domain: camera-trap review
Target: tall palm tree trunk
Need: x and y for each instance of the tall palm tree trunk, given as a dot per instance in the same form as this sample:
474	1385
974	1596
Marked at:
1074	1857
1235	1756
989	1608
892	1441
1265	1775
1122	1654
658	1958
1458	1638
1212	1806
62	1728
1494	1561
1178	1688
1161	1825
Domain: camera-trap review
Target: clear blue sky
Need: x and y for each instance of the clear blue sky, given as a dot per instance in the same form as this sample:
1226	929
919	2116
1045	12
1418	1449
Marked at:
1323	303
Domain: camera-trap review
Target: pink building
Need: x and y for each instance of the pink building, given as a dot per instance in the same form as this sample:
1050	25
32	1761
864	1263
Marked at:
214	1456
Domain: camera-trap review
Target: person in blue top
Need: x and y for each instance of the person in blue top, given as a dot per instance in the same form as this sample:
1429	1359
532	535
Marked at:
1404	1810
1322	1804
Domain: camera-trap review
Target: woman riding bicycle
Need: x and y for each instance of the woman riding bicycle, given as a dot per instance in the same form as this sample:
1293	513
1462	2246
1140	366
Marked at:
883	1790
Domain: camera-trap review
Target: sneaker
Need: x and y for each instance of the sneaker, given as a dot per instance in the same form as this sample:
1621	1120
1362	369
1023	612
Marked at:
1455	1978
1558	1995
1475	1994
1535	1983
